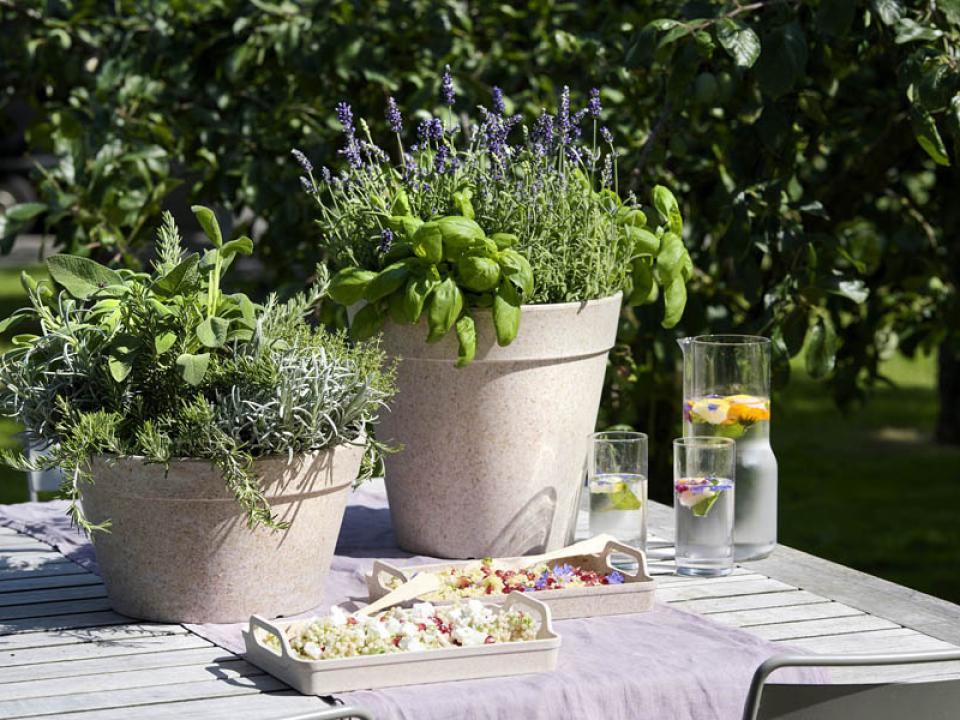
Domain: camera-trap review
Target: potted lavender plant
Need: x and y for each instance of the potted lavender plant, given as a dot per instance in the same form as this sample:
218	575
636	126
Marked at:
493	256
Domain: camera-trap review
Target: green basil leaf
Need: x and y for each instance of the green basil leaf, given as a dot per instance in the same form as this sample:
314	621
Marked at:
516	268
459	234
387	281
80	276
212	332
467	340
208	221
415	297
506	314
504	240
367	322
675	300
397	308
404	226
348	285
644	242
193	367
444	308
669	258
478	273
428	243
666	205
642	275
401	204
462	204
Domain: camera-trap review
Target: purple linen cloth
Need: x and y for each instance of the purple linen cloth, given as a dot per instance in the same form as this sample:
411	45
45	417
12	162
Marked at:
664	665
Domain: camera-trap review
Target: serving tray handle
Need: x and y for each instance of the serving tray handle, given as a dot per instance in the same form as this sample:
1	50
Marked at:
539	609
616	546
270	629
379	568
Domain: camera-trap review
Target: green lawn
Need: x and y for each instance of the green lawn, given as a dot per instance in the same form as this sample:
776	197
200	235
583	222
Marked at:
868	489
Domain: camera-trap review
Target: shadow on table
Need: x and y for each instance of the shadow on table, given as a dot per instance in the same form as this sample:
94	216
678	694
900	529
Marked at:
367	533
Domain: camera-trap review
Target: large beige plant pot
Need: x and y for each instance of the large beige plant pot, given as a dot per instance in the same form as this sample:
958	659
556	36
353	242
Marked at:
494	453
179	549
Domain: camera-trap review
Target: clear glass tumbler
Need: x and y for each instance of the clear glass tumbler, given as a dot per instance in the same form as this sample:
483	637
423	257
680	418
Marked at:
703	494
617	484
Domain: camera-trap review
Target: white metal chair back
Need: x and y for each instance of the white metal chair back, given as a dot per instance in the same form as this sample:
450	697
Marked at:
927	700
42	480
341	712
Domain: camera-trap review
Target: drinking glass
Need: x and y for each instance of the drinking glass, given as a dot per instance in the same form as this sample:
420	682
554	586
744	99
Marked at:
703	494
617	484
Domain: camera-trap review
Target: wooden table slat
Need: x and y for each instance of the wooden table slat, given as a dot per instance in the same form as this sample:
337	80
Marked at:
674	593
779	615
786	598
899	640
110	682
102	649
114	664
66	607
62	622
47	595
44	582
59	567
83	635
268	706
829	626
134	697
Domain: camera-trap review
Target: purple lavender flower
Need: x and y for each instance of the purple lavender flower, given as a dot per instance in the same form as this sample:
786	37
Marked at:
440	159
345	116
302	160
446	86
563	572
606	134
307	186
543	131
394	119
615	578
563	116
351	151
573	154
498	105
386	240
593	104
327	177
430	129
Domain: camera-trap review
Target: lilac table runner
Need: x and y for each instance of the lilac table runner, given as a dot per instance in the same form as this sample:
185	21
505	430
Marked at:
662	665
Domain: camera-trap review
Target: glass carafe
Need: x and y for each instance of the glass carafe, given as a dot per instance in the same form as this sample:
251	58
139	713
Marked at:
726	393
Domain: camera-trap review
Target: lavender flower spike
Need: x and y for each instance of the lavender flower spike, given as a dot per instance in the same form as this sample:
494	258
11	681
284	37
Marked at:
498	105
308	186
563	116
593	104
386	240
302	160
393	116
345	116
606	134
446	86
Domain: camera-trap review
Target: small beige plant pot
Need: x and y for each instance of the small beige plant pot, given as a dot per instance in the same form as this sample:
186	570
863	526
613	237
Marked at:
494	452
179	549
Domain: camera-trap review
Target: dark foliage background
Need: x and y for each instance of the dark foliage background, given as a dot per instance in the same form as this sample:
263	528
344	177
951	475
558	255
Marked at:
810	143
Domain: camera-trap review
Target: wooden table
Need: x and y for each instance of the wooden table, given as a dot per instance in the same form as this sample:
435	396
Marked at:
63	651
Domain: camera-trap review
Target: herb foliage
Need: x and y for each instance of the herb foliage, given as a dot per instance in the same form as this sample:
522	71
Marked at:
166	365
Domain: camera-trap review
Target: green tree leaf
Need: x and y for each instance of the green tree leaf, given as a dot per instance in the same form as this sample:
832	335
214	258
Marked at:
80	276
911	31
890	11
784	59
193	367
821	348
925	130
26	211
739	40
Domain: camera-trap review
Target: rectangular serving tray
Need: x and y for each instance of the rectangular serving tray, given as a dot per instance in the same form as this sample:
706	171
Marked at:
369	672
634	595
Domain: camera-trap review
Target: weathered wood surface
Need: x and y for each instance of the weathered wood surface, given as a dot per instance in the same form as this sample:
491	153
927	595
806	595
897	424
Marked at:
63	652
